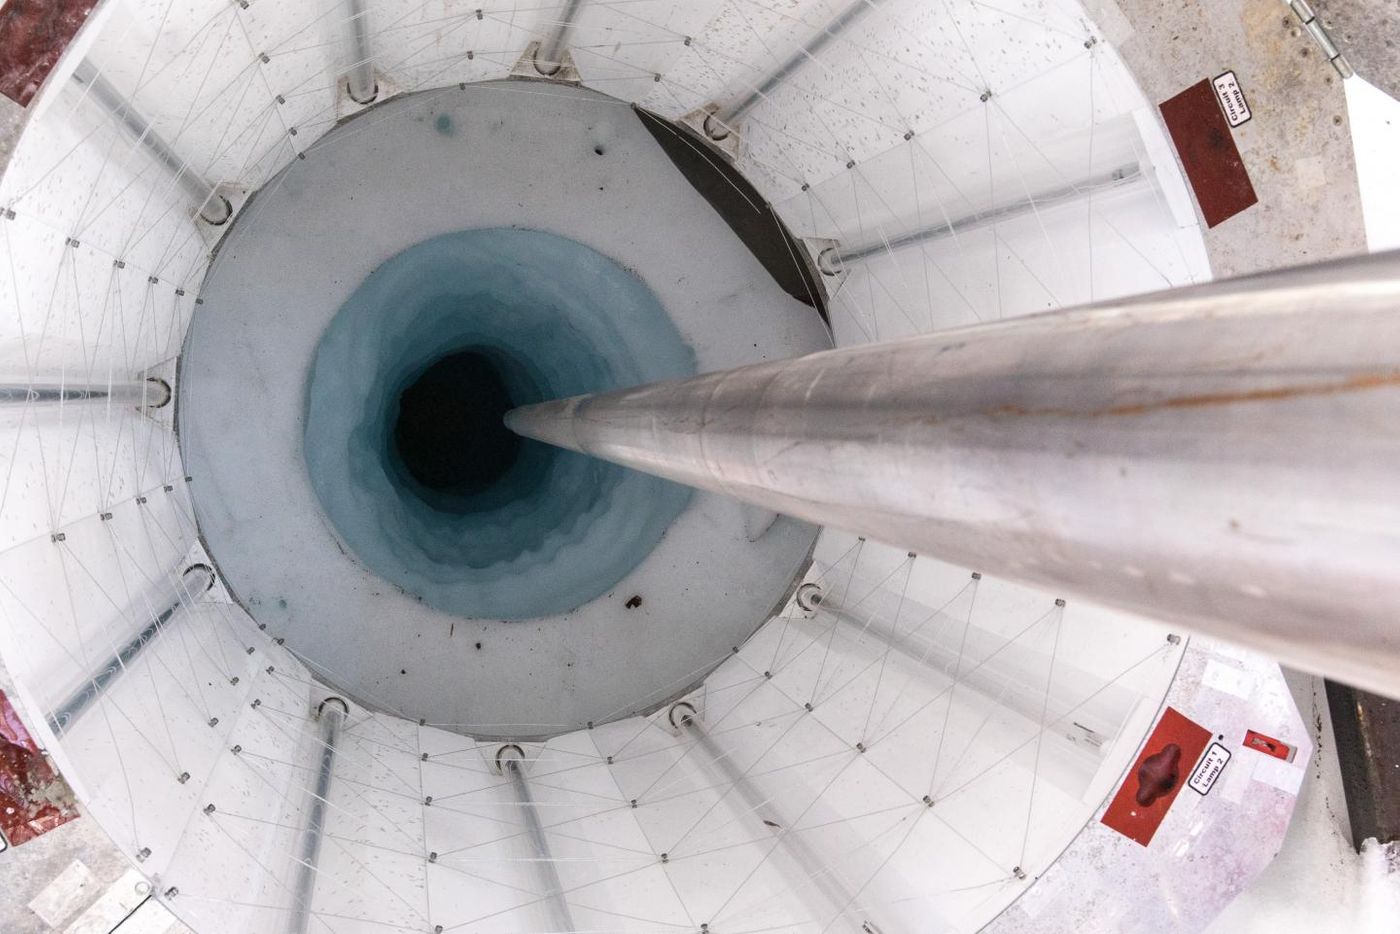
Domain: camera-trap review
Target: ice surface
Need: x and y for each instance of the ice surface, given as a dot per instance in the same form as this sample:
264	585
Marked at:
557	319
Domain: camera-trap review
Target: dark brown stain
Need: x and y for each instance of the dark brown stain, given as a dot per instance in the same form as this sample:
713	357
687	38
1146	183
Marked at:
634	602
1360	383
1158	774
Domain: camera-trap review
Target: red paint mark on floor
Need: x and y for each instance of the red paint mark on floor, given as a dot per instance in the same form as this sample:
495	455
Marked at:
34	799
1157	777
1208	153
33	35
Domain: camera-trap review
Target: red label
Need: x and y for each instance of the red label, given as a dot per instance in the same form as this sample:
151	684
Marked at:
1208	153
1268	745
1157	777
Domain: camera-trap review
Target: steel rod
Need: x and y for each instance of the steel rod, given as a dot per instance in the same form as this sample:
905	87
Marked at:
833	259
726	119
1087	711
765	807
210	205
195	581
359	77
550	56
329	719
1221	457
146	393
545	867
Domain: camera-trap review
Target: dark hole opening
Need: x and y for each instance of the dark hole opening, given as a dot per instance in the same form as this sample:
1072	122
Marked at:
449	433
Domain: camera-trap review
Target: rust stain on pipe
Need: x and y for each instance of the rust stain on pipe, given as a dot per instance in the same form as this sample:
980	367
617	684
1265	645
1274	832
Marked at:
1360	383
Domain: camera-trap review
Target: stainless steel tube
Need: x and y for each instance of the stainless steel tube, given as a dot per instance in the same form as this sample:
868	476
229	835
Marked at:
1221	457
146	393
833	259
550	56
211	205
545	869
194	582
359	74
765	809
329	720
723	121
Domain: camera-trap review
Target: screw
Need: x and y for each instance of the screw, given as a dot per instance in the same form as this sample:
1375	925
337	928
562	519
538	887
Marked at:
209	809
171	892
928	800
860	747
432	857
213	721
665	857
183	777
425	757
143	854
237	749
1059	601
1018	872
634	802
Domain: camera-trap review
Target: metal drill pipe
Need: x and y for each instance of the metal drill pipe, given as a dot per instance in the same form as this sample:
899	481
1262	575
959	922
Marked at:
211	205
1222	457
549	58
195	581
359	77
330	718
833	259
545	868
147	393
723	121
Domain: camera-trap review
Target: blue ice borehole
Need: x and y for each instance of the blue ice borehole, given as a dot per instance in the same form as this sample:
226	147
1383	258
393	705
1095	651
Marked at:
403	437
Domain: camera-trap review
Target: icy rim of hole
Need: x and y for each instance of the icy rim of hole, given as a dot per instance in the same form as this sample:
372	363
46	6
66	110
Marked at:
557	529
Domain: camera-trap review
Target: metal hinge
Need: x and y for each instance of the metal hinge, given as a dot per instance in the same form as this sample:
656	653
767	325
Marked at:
1313	25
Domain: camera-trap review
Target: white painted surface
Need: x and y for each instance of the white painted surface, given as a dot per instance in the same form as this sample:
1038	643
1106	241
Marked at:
1375	134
